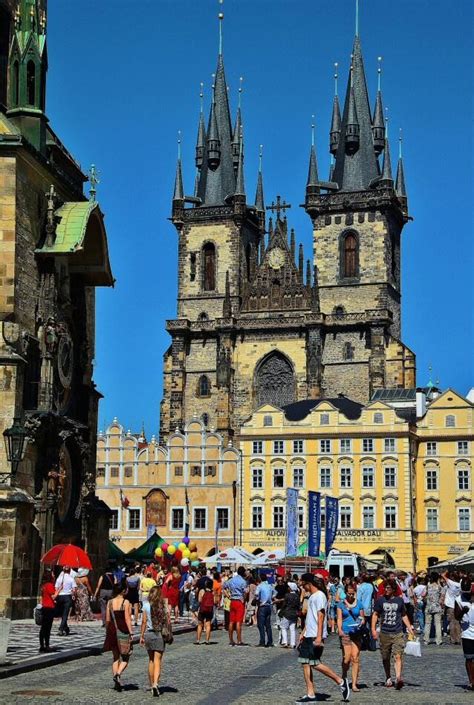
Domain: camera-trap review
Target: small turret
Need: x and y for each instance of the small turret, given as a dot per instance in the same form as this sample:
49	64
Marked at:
259	198
240	185
201	135
213	141
378	127
312	185
308	274
335	133
292	245
352	135
178	193
237	132
301	261
400	187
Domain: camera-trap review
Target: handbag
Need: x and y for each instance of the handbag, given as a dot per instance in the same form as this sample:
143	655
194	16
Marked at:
124	640
38	615
413	648
167	634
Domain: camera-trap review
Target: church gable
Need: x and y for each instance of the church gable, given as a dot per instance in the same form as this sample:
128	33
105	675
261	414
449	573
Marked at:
278	283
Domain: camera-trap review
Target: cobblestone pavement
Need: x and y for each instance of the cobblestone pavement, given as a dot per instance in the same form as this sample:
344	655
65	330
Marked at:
220	674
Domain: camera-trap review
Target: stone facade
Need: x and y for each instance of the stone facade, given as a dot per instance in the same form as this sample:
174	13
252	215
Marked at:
53	252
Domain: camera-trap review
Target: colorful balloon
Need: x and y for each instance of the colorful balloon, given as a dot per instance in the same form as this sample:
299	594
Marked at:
195	564
158	552
182	546
186	540
178	555
186	553
193	556
184	562
171	550
164	547
192	547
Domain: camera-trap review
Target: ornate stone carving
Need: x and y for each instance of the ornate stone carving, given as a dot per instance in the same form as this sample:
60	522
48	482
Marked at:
275	381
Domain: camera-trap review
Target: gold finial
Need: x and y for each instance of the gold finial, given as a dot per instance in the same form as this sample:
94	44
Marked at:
260	157
313	125
379	72
93	180
201	96
179	145
400	140
241	80
336	76
221	19
386	123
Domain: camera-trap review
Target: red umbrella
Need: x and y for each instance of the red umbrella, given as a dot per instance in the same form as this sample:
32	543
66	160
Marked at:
67	554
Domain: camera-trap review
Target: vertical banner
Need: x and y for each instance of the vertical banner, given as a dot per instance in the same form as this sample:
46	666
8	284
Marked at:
186	523
332	520
291	522
314	523
217	534
150	530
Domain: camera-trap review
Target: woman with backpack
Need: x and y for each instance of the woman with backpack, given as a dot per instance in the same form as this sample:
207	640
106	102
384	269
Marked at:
289	616
206	611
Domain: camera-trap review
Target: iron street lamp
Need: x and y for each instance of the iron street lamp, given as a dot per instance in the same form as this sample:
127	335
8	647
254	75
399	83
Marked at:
15	444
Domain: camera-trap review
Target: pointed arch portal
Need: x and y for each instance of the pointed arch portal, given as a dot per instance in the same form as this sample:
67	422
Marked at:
275	381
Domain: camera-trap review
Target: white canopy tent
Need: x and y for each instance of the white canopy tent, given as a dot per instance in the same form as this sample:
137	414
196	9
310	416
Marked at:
231	556
269	557
465	561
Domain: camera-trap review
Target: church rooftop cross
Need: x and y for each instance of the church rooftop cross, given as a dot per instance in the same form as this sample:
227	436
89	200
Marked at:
278	206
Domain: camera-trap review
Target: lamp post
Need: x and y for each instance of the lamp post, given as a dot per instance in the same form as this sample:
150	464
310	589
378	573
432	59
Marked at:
15	446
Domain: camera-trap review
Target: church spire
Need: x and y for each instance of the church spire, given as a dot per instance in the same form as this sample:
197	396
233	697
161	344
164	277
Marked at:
356	163
28	64
237	131
201	135
335	132
312	186
178	194
259	199
218	179
378	126
240	185
400	187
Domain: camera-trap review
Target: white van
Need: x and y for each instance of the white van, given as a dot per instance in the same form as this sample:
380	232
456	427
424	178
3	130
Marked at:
345	564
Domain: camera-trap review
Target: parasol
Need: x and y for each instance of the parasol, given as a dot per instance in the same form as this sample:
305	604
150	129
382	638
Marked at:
67	554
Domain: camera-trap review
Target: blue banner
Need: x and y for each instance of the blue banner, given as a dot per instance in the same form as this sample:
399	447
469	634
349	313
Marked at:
314	523
291	522
332	520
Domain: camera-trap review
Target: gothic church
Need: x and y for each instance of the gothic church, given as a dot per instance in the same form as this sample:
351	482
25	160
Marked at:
256	324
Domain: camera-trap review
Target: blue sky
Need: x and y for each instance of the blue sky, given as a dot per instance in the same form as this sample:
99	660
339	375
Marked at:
122	82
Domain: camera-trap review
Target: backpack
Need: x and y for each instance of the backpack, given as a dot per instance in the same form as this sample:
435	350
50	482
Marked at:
207	601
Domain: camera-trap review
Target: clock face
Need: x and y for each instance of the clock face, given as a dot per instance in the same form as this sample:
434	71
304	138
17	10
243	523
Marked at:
276	258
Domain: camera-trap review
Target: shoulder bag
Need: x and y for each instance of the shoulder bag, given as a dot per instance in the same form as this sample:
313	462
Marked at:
124	640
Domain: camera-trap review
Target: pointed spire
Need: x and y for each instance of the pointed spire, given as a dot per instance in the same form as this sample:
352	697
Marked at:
201	135
213	141
331	169
259	199
227	305
315	291
313	165
221	22
237	131
308	273
400	187
356	163
292	245
178	194
378	126
387	164
240	186
301	260
335	131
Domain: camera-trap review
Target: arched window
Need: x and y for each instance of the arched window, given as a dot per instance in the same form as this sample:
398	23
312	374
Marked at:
450	421
4	51
209	267
275	381
350	257
156	513
15	83
192	266
205	419
31	82
204	386
348	351
339	311
203	316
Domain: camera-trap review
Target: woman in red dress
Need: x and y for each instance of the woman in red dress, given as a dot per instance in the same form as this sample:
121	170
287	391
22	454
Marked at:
48	608
118	619
172	592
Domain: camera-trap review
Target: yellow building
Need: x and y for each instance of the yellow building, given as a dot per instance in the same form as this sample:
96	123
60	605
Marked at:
444	488
157	481
392	473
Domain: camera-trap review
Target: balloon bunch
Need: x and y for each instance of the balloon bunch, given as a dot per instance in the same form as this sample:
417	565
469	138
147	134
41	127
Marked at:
181	553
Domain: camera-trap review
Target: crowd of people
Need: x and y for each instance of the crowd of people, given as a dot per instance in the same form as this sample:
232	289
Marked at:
368	612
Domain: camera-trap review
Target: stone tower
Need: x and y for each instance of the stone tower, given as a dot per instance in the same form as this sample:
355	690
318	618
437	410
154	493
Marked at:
53	253
255	324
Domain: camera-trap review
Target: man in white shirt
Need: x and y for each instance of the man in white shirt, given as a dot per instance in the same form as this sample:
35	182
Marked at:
65	586
311	644
453	590
465	609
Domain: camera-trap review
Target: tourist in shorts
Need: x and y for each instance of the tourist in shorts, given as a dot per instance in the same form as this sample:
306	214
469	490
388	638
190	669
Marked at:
391	612
206	611
311	644
237	590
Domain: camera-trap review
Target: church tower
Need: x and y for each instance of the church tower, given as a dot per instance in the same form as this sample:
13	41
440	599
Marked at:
358	216
257	324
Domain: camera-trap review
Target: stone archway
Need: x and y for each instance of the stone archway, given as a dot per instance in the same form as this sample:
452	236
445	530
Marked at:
275	381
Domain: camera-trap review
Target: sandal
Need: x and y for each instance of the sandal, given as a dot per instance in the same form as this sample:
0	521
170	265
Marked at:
389	683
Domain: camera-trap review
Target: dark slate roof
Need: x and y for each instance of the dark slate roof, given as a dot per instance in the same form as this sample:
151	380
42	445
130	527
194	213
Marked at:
300	409
407	413
215	186
355	172
395	394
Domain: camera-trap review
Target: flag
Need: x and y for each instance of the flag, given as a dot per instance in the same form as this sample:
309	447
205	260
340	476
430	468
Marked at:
332	519
186	499
291	522
314	523
217	534
124	501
